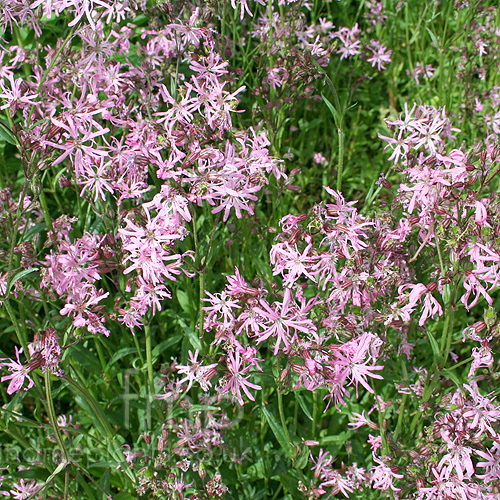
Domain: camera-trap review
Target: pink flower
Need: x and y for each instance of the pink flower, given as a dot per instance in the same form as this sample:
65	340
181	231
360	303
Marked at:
282	321
235	381
380	55
24	489
196	372
382	476
18	374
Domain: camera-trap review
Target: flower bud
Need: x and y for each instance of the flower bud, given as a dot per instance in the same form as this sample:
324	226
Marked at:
386	183
161	444
479	326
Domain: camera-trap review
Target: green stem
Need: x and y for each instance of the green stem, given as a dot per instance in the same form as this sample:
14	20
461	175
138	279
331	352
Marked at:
315	414
149	359
45	210
338	117
20	337
66	483
201	318
139	350
51	65
282	416
340	167
57	432
93	405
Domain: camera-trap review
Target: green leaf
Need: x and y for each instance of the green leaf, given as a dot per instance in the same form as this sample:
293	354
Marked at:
157	350
204	408
192	336
433	38
332	109
340	438
453	376
121	353
305	408
6	133
20	275
434	345
278	431
301	462
85	358
183	299
36	229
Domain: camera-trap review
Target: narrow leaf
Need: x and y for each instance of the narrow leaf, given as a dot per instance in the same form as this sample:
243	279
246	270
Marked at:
332	109
305	408
6	133
20	275
278	431
434	345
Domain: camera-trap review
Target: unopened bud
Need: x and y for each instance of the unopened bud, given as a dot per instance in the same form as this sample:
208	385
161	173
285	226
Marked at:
425	452
386	183
479	326
310	442
472	180
420	482
490	317
161	444
460	401
294	238
397	323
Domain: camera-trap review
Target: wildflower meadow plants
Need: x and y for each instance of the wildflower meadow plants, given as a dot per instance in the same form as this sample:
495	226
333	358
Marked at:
249	249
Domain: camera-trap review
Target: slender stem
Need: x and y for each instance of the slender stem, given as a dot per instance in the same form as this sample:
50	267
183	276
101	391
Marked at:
339	121
20	337
401	411
45	210
93	405
340	167
448	329
15	227
57	432
51	65
66	483
201	318
52	416
282	416
315	414
149	360
139	350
